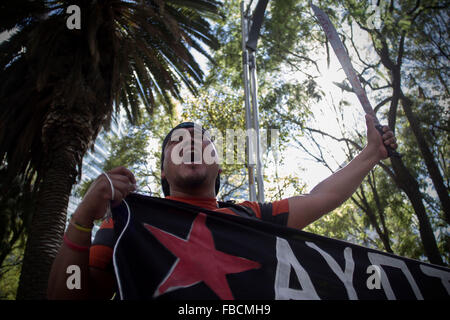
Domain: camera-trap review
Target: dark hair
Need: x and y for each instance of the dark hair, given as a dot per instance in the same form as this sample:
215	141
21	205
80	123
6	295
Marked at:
164	183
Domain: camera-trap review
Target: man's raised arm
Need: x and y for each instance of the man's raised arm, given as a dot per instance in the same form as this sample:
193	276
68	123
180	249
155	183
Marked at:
333	191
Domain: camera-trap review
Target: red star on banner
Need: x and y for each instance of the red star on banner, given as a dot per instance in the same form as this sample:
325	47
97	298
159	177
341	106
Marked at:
198	260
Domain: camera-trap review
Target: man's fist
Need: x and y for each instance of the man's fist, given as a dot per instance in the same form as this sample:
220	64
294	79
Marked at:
95	202
375	142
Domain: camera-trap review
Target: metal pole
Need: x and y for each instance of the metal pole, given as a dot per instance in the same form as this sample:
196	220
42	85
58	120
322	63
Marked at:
254	94
248	120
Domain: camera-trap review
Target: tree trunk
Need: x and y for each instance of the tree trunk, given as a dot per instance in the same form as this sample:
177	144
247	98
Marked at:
409	185
380	209
367	209
47	227
428	157
404	179
66	134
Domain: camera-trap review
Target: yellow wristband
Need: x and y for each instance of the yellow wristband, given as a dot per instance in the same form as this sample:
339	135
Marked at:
80	227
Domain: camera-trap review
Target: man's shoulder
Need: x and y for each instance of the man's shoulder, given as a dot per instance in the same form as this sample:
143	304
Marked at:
276	211
276	207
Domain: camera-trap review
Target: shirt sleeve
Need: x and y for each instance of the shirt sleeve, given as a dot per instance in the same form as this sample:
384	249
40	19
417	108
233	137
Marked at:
275	212
101	251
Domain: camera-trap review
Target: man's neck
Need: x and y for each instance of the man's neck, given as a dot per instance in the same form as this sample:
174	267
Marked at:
206	203
193	194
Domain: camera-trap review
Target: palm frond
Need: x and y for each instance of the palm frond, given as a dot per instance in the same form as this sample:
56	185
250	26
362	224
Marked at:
128	55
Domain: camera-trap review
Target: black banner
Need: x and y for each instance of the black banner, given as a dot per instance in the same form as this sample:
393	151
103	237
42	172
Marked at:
172	250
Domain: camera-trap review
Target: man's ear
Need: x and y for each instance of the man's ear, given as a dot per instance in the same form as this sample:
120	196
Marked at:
220	170
163	175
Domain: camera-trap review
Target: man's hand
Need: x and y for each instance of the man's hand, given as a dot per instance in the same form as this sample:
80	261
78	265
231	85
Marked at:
376	143
95	202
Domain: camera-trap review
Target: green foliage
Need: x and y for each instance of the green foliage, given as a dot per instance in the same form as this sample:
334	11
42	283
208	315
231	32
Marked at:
16	203
411	59
10	273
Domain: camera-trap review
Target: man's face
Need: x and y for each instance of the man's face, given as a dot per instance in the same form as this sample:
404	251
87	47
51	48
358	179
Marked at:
190	160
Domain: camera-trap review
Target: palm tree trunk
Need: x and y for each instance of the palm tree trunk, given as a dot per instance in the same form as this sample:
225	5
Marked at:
48	225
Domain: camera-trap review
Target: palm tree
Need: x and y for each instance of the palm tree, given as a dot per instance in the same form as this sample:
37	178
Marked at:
60	87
